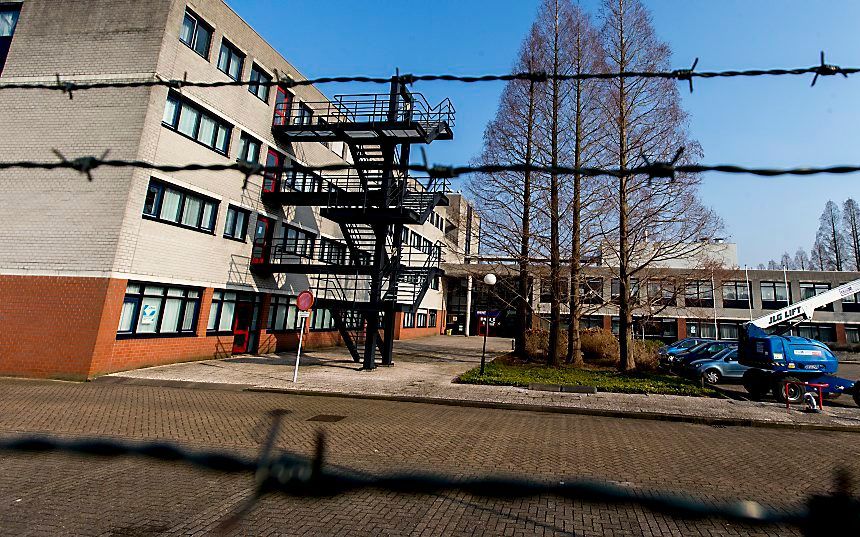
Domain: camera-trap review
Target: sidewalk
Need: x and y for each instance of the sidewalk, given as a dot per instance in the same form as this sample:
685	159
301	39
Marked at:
425	368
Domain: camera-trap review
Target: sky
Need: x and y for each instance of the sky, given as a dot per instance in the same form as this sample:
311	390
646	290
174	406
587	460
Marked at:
766	122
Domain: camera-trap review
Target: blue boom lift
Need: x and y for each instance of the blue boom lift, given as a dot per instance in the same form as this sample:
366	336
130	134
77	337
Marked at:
776	359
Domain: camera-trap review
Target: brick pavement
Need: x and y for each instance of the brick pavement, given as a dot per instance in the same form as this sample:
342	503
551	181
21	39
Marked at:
64	495
425	369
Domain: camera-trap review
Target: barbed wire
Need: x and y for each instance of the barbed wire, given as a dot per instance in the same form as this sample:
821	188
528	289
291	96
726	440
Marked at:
86	165
69	86
295	475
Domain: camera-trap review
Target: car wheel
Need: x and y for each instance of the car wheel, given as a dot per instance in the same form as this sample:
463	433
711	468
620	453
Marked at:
712	376
856	393
755	383
795	391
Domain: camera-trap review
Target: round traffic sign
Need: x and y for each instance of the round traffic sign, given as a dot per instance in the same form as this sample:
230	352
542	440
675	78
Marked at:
305	300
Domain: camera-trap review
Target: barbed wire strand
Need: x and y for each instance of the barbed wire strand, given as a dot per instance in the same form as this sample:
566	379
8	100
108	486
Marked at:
658	169
301	476
69	86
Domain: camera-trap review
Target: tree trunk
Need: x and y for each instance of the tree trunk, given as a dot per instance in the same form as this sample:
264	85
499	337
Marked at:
555	255
574	344
523	305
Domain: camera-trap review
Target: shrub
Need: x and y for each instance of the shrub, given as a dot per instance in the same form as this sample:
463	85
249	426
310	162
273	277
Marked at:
645	354
599	345
537	343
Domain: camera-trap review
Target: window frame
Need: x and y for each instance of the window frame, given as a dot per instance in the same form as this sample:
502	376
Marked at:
218	304
137	298
261	84
198	22
698	298
243	236
288	304
816	287
174	124
245	143
309	241
774	304
184	193
234	53
736	285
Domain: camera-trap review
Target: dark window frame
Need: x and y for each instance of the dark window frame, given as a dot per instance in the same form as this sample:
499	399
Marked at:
309	240
158	203
775	304
219	122
231	234
736	285
287	304
699	298
264	79
6	41
218	303
198	22
331	251
245	143
816	286
234	52
137	298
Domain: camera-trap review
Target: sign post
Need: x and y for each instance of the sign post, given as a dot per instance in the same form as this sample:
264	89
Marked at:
304	302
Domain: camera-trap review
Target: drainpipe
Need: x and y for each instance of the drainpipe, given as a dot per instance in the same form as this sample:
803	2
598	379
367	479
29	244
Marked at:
714	301
468	303
749	290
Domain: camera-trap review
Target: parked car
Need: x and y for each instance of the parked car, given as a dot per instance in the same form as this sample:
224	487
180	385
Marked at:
668	356
700	352
722	366
682	345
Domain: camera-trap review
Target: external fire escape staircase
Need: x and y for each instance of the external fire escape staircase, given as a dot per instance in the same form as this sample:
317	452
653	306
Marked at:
371	202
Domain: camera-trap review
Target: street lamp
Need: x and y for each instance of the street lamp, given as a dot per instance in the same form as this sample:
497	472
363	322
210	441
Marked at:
490	280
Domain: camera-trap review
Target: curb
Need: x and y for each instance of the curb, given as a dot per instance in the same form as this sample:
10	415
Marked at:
653	416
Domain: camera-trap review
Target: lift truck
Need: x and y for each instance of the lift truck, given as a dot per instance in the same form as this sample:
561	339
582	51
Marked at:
788	365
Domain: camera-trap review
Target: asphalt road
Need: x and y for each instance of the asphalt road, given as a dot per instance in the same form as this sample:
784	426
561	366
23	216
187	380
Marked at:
59	494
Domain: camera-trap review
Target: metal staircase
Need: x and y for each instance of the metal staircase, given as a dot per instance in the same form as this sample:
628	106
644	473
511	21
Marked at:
371	203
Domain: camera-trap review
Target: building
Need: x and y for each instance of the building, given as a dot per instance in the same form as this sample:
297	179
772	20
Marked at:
671	302
139	268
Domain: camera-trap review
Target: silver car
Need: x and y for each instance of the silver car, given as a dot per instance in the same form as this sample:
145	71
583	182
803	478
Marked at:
722	366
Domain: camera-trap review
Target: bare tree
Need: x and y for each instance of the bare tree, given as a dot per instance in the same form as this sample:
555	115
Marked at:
505	199
801	260
830	237
772	265
656	220
851	230
786	261
761	266
818	258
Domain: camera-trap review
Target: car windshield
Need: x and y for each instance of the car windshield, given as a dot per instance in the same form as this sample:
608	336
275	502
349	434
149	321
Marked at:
685	344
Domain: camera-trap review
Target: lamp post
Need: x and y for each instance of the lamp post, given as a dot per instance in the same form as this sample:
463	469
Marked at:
490	280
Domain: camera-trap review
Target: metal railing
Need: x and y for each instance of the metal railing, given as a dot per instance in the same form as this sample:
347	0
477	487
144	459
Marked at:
365	108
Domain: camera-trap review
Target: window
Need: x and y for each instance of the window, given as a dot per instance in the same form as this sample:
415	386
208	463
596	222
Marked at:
431	319
305	115
851	303
230	60
615	288
150	309
774	295
704	329
408	319
591	291
8	21
260	90
191	121
236	225
821	332
421	319
699	293
852	334
809	290
302	180
736	295
221	312
331	251
728	330
662	293
283	314
322	320
170	204
283	105
434	283
249	149
196	34
298	242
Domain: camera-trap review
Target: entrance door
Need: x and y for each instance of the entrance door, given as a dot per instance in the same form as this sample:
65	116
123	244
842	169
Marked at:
242	327
283	102
262	241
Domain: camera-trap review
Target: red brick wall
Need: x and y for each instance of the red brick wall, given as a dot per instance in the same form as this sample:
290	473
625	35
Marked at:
682	328
412	333
49	325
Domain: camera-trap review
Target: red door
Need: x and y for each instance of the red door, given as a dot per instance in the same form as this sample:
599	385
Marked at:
271	179
242	327
262	241
283	102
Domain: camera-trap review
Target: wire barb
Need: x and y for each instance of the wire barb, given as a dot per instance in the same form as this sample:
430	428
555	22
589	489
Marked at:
66	87
687	74
661	169
84	165
827	70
